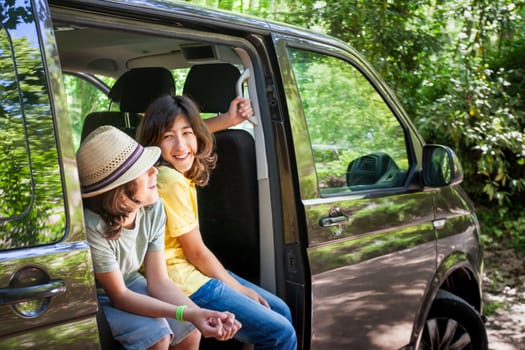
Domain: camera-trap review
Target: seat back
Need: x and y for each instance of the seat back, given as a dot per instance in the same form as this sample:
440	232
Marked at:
229	205
134	91
212	86
127	122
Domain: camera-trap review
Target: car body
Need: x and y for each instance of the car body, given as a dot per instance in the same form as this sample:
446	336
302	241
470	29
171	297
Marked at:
333	201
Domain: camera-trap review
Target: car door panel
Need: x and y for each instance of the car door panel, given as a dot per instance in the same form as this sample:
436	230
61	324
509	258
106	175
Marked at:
77	334
378	263
456	229
69	263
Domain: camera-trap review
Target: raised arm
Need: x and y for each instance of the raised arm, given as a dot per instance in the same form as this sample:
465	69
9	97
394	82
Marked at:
240	109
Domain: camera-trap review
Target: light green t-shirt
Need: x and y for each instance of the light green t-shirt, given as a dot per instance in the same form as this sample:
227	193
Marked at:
126	253
180	202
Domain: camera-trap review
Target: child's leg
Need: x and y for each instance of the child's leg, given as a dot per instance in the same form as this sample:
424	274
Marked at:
141	332
191	342
276	303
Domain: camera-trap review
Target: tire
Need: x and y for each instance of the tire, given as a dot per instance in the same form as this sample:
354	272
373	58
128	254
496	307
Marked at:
453	324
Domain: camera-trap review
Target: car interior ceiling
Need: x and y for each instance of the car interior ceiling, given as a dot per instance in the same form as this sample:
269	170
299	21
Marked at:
111	52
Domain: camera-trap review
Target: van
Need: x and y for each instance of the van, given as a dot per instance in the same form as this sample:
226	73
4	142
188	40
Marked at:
328	197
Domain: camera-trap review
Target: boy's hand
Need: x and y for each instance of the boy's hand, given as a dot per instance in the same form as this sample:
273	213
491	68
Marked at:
230	325
213	324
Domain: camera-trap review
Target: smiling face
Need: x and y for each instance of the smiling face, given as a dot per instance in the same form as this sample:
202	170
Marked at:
179	145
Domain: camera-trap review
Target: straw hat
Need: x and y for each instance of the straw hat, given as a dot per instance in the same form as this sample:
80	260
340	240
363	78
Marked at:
108	158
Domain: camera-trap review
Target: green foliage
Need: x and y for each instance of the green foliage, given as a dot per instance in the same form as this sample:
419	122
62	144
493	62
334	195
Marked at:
470	103
502	225
262	8
490	308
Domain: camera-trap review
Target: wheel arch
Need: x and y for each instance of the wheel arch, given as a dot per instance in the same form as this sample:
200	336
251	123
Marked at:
455	275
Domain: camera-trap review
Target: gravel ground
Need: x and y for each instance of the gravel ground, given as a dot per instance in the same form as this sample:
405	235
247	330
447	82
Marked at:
504	288
506	327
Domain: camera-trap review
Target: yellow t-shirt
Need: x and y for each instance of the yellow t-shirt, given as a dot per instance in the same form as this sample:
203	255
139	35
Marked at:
180	203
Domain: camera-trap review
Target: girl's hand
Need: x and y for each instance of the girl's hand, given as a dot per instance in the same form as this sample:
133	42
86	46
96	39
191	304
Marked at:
250	293
240	109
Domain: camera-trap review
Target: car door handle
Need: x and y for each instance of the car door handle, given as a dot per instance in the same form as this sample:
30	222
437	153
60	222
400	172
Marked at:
39	291
333	220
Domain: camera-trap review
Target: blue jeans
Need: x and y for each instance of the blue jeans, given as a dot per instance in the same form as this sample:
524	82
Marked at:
265	328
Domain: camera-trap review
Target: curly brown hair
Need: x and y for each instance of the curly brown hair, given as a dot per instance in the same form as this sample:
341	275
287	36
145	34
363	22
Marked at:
159	118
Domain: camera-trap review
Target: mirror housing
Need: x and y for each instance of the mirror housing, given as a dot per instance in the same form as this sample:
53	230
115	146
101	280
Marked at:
441	166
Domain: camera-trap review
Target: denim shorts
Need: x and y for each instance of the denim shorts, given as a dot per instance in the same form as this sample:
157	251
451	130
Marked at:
141	332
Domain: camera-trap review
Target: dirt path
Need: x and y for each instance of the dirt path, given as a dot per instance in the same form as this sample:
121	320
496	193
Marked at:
504	287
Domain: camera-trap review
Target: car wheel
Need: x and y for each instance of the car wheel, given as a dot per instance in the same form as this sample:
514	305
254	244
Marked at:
453	324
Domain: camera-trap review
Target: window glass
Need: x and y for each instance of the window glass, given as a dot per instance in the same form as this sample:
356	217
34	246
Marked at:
31	199
357	142
15	177
83	98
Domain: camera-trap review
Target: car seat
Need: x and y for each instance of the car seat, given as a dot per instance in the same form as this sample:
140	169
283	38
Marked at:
370	169
228	205
134	91
212	86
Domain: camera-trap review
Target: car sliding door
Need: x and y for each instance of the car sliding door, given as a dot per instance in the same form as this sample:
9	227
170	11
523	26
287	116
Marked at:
47	289
370	241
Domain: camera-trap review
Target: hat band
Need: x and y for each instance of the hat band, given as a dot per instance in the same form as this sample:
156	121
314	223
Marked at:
118	172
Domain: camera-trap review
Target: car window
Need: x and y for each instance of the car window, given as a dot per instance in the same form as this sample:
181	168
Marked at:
357	142
83	98
31	198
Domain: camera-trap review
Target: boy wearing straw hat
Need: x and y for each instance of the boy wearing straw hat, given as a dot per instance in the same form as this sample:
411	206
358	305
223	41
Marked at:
125	229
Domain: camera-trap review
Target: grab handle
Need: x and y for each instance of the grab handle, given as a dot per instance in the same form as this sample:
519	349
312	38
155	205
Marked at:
238	87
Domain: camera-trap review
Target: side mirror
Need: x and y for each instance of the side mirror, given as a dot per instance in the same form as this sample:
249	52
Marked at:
441	166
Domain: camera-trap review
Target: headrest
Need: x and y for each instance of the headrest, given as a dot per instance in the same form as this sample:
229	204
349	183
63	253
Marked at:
138	87
212	86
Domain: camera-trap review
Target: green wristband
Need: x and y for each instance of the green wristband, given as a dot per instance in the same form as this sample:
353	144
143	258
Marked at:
179	313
